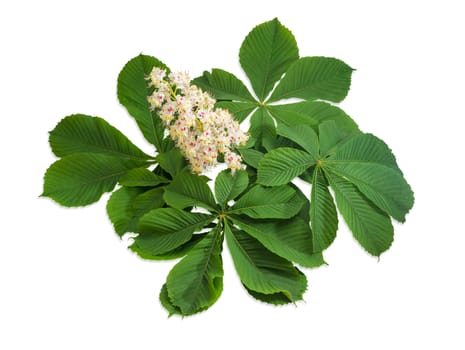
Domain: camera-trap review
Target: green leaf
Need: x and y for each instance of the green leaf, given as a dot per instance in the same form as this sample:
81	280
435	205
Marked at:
251	156
127	204
315	78
312	113
370	166
304	212
172	161
371	227
189	190
262	128
283	164
262	271
119	209
265	55
223	86
274	299
281	142
162	230
323	215
81	178
259	202
85	134
307	176
384	186
176	253
366	148
303	135
240	110
151	199
331	137
133	91
141	177
228	186
167	304
196	282
290	239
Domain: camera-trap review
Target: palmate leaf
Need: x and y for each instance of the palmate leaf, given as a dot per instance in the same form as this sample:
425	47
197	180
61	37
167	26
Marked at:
196	282
132	93
165	229
127	204
262	271
290	239
313	78
365	171
265	55
370	226
363	159
81	178
187	190
268	203
268	52
81	133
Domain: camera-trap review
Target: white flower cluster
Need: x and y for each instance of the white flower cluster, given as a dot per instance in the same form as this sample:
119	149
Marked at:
197	128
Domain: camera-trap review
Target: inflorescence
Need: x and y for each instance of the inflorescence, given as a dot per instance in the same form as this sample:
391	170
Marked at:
201	131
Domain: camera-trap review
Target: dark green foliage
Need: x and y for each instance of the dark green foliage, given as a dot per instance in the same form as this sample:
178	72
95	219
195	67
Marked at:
268	223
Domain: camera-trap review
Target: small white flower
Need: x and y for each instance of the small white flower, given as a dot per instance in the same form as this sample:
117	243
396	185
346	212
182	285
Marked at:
156	76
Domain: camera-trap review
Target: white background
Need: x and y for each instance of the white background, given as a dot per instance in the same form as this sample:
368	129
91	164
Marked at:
68	282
